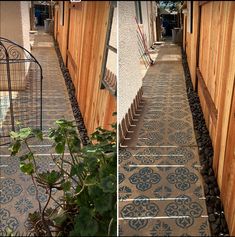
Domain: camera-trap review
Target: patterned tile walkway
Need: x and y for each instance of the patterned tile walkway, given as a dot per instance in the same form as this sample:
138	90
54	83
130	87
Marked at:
160	186
17	196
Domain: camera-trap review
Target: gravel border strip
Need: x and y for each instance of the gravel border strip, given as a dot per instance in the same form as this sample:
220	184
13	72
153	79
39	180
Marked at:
218	224
72	97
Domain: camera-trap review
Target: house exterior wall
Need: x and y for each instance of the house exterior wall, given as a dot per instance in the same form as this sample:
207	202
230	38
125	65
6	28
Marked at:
25	19
149	21
130	78
15	22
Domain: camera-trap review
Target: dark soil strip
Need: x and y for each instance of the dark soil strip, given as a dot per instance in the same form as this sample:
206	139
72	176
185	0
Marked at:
215	210
73	100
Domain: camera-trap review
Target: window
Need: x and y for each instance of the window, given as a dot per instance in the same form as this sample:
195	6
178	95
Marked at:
138	12
109	67
190	17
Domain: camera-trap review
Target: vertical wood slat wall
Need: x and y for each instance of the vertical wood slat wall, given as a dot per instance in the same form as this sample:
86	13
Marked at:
81	41
215	80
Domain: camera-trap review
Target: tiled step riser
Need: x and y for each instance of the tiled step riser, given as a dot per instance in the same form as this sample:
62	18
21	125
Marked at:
159	181
143	206
164	227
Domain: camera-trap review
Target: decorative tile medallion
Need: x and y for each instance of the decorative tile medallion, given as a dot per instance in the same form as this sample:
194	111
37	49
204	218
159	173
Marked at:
23	205
182	178
9	189
140	207
144	179
7	221
161	229
183	206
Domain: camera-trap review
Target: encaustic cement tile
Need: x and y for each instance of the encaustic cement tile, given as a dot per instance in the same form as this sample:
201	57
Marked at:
164	227
17	196
147	217
160	186
161	181
155	155
162	127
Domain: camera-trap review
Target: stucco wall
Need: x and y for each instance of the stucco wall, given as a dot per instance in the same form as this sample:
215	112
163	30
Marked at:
14	21
25	19
130	78
149	21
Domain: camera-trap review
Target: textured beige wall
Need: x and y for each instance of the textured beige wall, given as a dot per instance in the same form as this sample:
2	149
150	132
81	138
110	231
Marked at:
130	78
14	21
149	21
25	18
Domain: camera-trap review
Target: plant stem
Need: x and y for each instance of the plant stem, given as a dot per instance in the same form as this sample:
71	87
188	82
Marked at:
56	202
34	161
43	215
110	225
71	154
83	186
36	194
67	173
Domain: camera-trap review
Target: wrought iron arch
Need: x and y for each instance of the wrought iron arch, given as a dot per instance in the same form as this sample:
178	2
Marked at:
20	89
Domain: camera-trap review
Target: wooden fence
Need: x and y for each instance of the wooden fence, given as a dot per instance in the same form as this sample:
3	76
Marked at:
80	30
210	50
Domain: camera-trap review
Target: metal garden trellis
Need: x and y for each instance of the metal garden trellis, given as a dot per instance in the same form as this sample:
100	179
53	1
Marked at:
20	89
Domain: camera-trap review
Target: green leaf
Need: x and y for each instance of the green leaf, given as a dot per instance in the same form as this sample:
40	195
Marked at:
74	144
51	133
64	123
38	134
92	179
59	217
60	121
59	138
53	177
85	224
91	162
15	147
66	186
103	203
94	191
83	199
49	178
24	133
106	170
60	147
108	184
27	168
14	135
77	169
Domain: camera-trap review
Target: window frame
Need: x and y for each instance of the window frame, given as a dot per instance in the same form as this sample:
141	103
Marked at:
113	5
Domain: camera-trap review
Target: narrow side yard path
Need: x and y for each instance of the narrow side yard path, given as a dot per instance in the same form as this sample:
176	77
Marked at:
17	196
160	186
